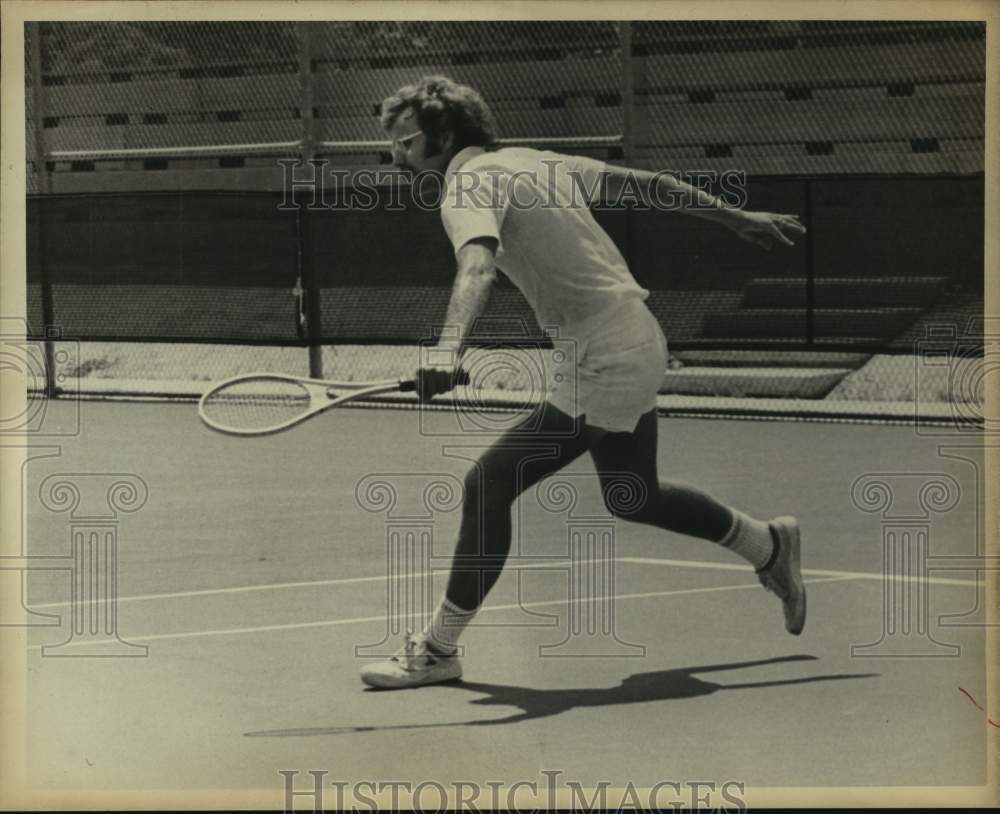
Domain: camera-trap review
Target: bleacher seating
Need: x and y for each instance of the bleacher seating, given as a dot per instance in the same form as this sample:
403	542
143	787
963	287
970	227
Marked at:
780	100
771	99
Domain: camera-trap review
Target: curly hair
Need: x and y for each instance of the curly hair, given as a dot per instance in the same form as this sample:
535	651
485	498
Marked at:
444	106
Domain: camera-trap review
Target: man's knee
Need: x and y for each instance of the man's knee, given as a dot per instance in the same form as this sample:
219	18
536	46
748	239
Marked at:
473	485
490	482
627	496
487	502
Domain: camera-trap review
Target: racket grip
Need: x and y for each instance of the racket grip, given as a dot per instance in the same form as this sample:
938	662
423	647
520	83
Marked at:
461	376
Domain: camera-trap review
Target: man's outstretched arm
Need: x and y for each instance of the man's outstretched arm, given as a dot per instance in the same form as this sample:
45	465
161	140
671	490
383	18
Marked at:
469	296
470	291
762	228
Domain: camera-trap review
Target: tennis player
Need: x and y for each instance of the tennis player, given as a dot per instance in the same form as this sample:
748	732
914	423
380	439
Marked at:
526	212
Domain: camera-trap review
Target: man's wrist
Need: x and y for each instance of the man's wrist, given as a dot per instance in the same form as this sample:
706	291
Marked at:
712	208
733	218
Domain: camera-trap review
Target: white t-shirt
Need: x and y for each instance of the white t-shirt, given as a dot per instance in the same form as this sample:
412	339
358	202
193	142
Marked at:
535	204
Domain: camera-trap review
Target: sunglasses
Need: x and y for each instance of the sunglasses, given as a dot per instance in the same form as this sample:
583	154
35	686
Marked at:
404	142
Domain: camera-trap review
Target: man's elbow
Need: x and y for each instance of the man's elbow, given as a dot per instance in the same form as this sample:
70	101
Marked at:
484	267
477	262
481	274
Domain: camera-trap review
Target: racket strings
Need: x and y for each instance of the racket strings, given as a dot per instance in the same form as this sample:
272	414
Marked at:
257	404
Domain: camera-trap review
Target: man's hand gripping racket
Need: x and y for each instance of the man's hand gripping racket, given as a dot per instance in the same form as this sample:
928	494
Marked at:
265	403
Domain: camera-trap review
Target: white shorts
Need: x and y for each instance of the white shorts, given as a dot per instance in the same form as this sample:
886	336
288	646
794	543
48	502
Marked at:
616	371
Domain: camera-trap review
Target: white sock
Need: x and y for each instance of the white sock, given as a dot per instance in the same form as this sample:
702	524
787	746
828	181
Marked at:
749	538
447	624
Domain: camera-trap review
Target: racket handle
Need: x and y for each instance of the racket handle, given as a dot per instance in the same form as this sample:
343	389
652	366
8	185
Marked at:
410	385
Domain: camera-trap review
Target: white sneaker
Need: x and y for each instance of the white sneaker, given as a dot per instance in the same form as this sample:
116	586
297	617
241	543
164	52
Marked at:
413	666
784	577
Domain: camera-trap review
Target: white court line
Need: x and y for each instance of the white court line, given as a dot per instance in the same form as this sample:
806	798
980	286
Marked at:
718	566
813	572
194	634
276	586
282	585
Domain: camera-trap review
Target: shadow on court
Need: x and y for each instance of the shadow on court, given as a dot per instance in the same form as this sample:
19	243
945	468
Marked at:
659	685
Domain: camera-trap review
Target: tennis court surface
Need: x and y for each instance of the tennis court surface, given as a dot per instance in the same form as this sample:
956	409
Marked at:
201	605
256	569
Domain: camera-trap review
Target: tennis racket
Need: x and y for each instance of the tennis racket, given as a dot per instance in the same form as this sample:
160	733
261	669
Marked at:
265	403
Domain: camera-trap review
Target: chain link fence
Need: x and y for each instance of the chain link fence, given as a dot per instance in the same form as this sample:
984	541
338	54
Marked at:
770	98
874	132
812	97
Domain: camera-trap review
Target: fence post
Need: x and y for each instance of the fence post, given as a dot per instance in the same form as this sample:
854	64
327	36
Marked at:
627	92
628	127
39	106
810	267
306	89
307	265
